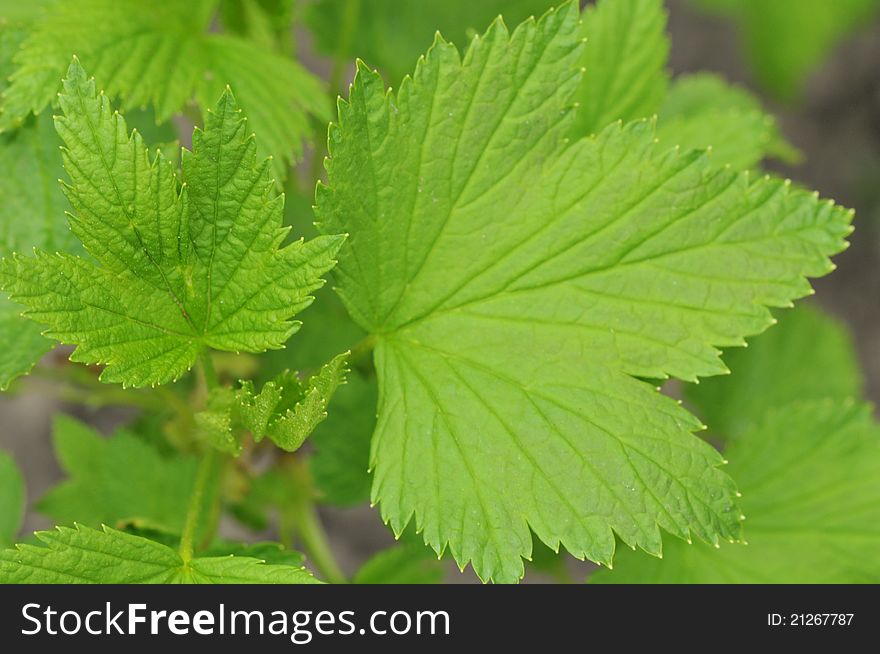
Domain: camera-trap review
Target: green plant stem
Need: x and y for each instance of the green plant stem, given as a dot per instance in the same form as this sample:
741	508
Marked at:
314	541
196	501
207	468
208	372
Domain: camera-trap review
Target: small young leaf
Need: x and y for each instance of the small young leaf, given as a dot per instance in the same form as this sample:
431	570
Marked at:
216	423
11	499
810	479
809	356
178	269
266	415
86	556
259	410
517	286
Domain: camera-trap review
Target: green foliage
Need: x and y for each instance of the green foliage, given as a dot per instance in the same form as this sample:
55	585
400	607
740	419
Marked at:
786	39
266	22
391	34
507	349
810	478
625	78
273	553
342	457
178	268
162	54
287	411
703	110
32	210
117	481
11	499
530	233
809	356
806	457
624	62
82	555
33	204
31	215
405	563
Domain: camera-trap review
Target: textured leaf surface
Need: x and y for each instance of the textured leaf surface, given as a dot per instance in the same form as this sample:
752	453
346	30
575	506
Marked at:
391	34
178	269
624	62
703	111
117	481
809	356
217	424
786	39
406	563
86	556
287	412
810	478
159	53
517	283
12	495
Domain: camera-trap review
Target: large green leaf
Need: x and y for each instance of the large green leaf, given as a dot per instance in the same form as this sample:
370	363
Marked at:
517	283
810	479
178	269
86	556
808	356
